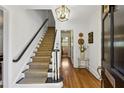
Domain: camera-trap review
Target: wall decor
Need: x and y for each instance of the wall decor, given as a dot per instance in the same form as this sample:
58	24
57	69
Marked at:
90	37
81	43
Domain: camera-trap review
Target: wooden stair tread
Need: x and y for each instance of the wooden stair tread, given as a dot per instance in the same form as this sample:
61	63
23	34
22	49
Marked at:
44	52
38	68
39	63
45	48
34	80
37	71
44	57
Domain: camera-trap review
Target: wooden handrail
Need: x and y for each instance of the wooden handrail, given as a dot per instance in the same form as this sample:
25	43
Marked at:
22	53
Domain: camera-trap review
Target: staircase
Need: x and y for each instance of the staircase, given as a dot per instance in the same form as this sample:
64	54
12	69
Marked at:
39	67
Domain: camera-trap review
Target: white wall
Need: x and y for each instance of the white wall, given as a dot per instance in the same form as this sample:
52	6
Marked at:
93	24
23	24
26	21
76	28
1	32
51	22
95	48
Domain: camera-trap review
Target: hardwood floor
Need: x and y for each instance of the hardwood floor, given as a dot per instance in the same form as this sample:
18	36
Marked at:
77	78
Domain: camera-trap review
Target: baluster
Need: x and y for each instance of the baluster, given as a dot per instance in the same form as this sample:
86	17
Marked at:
55	65
53	68
58	64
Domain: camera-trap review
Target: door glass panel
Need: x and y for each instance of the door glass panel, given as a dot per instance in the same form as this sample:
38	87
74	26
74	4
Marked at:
107	39
119	39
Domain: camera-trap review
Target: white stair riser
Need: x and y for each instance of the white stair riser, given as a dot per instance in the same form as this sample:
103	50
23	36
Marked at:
50	66
49	74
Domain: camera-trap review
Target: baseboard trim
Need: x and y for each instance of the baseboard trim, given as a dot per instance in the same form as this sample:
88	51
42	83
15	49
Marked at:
19	80
94	73
22	75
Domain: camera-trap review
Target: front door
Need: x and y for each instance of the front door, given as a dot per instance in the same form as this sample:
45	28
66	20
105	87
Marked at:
1	45
113	47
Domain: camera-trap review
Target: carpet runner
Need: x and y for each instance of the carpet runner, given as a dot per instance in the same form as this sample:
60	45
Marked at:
38	69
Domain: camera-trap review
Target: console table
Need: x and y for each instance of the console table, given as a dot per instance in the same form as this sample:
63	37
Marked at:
83	63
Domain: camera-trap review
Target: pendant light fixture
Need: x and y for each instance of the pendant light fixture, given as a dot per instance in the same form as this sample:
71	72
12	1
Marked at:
62	13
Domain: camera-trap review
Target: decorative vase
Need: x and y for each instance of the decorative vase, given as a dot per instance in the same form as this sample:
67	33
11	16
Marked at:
82	55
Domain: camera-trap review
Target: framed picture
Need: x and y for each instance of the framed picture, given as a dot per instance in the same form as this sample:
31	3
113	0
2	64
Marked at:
90	37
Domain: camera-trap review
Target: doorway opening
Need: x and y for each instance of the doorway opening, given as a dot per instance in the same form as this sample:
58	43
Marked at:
1	46
66	43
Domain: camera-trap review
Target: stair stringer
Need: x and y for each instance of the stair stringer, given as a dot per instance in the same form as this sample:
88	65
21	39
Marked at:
20	74
26	67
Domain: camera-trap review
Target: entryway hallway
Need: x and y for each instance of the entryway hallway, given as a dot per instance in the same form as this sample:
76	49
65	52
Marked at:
24	65
77	77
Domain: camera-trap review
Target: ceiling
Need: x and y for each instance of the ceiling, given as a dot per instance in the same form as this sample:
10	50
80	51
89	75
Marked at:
81	12
77	12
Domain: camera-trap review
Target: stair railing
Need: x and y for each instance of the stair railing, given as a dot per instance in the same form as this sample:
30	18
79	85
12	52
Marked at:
55	61
25	49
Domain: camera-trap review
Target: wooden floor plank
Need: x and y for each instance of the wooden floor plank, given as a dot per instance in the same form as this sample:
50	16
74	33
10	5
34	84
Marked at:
77	78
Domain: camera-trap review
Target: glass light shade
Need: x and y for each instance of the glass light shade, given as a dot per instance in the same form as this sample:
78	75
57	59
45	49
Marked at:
62	13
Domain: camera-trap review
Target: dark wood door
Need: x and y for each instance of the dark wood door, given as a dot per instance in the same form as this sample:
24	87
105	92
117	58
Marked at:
112	77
